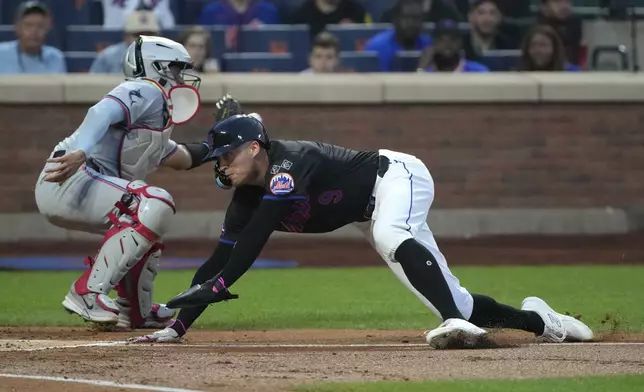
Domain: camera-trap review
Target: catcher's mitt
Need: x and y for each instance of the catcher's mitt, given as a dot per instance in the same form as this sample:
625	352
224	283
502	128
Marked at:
227	106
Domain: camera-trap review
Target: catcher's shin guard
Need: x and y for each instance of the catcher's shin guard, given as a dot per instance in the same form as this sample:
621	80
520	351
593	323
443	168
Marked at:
135	293
134	233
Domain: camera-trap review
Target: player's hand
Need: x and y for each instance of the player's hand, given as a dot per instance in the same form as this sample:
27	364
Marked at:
227	106
210	292
66	166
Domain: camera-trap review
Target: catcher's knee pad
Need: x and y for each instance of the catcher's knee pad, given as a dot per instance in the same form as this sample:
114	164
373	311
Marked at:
387	238
144	216
155	207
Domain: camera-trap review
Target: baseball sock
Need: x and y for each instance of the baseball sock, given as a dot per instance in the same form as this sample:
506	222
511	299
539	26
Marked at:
424	273
487	313
210	268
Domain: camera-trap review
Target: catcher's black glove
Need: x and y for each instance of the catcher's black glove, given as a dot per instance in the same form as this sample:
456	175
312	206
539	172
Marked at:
227	106
210	292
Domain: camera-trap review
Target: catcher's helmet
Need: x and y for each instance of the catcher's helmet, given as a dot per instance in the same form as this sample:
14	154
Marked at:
233	132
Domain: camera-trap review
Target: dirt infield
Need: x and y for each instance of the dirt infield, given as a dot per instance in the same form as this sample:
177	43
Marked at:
278	360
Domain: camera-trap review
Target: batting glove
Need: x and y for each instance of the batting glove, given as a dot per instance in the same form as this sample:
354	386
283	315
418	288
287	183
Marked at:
207	293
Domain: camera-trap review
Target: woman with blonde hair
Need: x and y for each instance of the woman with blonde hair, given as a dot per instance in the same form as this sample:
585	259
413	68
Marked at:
197	42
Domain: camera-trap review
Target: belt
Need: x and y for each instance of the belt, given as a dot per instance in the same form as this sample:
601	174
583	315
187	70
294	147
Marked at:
383	166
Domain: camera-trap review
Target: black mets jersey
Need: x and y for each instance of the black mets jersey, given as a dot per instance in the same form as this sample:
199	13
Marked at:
310	187
328	186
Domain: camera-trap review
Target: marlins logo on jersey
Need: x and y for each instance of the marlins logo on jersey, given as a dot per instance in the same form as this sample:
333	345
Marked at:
282	184
135	96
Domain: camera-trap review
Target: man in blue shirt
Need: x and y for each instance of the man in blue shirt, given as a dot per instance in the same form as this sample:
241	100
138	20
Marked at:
447	53
405	35
29	55
238	13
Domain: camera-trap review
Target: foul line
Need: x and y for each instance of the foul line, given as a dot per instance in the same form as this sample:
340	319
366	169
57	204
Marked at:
322	345
98	383
365	345
302	346
96	344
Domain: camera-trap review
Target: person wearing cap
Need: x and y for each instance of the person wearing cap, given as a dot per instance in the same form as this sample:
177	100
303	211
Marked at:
29	54
485	19
110	60
446	55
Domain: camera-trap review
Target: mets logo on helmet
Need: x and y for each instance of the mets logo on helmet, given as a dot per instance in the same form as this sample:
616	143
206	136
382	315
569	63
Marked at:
282	184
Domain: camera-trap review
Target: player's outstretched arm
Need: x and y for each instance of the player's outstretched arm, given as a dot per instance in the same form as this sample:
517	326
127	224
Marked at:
188	316
191	155
187	156
246	250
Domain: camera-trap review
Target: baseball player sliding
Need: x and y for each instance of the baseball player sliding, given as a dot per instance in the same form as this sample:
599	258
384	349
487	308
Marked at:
93	181
311	187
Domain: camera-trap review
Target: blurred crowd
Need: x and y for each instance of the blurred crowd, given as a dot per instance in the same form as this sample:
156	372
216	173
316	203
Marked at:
460	35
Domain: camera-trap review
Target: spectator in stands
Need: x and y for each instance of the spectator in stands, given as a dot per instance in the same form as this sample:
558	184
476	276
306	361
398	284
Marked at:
325	55
115	12
198	42
485	19
446	54
238	13
406	34
110	60
319	13
29	54
558	14
543	51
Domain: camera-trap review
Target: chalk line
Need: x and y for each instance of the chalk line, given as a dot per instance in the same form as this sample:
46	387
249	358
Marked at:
366	345
96	344
101	383
300	346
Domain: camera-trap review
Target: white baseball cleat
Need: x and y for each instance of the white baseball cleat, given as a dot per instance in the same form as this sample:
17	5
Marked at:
167	335
456	333
95	307
558	327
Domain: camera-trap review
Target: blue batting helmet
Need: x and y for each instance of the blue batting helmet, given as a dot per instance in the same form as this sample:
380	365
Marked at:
234	131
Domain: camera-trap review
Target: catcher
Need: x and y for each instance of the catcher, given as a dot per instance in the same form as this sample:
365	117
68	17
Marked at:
93	181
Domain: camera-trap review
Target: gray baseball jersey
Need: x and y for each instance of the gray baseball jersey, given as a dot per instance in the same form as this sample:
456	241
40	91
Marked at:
133	148
126	136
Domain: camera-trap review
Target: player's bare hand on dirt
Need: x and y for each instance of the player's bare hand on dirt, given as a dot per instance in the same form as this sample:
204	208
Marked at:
66	166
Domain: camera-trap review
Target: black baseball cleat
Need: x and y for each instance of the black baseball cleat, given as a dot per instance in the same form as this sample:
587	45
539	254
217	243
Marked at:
199	295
